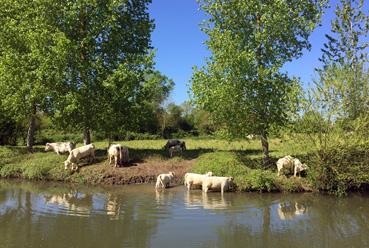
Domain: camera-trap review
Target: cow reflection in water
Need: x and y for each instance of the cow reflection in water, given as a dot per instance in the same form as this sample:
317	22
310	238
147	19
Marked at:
291	209
163	197
207	201
112	206
74	201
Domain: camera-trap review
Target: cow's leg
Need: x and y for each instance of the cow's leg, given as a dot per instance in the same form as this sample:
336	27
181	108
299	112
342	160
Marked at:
294	172
116	161
205	188
93	156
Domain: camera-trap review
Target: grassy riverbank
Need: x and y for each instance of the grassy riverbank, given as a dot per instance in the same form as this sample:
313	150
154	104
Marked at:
240	159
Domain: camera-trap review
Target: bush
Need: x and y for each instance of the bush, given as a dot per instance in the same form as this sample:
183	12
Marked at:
340	168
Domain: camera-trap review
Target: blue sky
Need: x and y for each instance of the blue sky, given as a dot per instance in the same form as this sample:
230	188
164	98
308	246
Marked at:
179	43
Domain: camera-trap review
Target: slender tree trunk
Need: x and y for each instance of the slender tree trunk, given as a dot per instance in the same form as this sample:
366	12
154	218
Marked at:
31	130
86	136
265	146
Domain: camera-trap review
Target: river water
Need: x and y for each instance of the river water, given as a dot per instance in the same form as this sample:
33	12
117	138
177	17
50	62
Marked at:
55	215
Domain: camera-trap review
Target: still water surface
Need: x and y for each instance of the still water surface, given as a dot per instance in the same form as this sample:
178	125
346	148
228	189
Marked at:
55	215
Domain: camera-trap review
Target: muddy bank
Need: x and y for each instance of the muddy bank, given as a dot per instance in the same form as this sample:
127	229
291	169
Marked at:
134	173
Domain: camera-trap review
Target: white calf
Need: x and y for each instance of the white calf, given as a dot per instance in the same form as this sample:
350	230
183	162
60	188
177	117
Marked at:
191	179
290	163
299	167
163	180
216	183
60	147
119	153
78	153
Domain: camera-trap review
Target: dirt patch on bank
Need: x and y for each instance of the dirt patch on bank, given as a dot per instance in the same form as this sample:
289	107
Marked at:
141	172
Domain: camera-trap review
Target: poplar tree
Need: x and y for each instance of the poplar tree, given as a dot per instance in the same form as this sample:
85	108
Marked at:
343	79
110	50
242	85
32	59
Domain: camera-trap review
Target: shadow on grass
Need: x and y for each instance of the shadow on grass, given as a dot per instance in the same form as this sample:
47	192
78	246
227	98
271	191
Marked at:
138	155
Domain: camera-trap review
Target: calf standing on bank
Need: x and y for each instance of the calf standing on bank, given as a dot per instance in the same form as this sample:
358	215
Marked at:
87	151
60	147
119	153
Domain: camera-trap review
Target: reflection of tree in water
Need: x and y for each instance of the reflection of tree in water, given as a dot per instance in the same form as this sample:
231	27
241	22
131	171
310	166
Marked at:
328	222
134	226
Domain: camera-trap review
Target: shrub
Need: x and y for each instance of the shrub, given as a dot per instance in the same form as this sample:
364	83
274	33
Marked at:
340	168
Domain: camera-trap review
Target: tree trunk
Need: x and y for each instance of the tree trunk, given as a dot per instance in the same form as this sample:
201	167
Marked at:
86	136
31	130
265	146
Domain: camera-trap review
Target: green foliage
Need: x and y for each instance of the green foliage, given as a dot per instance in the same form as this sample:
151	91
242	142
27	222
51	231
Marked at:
241	85
340	169
32	58
109	59
261	180
343	85
8	129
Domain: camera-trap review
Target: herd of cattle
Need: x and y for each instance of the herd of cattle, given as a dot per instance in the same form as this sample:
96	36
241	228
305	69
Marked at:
120	155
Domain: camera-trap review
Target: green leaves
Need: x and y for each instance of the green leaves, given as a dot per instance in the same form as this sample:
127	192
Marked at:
241	85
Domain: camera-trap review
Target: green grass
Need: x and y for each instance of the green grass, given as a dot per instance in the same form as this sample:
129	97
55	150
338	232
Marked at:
240	159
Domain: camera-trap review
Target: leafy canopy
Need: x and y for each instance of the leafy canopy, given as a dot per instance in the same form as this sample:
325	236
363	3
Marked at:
241	84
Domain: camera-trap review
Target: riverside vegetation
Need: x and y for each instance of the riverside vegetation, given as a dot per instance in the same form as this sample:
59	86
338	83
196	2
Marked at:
240	159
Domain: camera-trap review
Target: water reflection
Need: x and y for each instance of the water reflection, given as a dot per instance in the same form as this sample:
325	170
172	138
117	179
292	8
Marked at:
290	209
112	206
44	215
74	202
197	199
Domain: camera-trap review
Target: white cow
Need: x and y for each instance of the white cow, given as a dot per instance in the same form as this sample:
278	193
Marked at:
87	151
299	167
119	153
193	179
163	180
60	147
290	163
216	183
175	150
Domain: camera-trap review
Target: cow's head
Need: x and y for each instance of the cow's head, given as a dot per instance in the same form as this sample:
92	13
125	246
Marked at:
304	167
209	174
47	147
67	163
171	173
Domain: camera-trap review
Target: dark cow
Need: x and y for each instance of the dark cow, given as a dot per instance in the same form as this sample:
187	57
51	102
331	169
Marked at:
175	142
